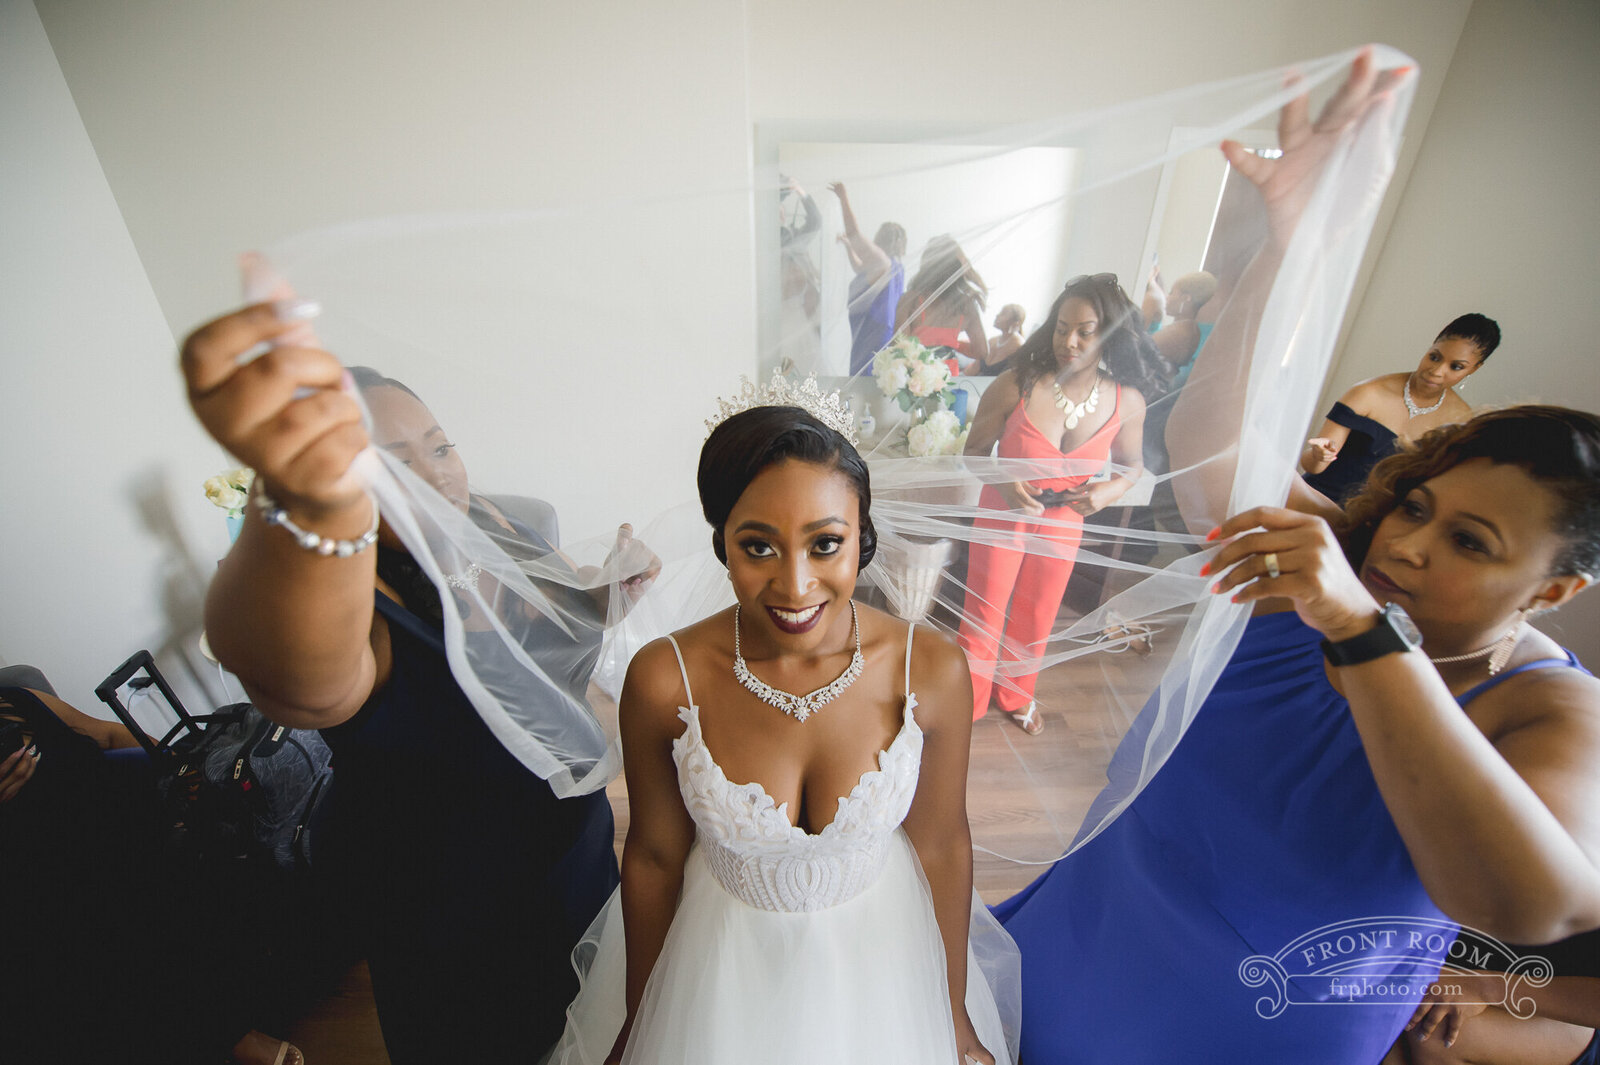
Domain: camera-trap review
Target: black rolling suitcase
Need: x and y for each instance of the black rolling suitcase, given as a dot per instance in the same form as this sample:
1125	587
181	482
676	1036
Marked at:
234	786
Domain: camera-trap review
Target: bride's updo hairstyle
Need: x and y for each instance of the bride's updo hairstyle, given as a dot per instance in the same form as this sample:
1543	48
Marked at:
748	442
1559	448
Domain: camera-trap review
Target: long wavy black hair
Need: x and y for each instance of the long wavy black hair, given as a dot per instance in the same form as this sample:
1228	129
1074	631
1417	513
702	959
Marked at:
1126	350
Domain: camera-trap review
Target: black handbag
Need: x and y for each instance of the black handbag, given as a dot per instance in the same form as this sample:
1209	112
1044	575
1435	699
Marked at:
233	785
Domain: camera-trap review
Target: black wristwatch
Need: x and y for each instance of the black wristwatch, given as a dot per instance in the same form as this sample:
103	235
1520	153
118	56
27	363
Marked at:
1395	632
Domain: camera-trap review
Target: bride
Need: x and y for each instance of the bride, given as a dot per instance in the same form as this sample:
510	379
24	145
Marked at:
797	879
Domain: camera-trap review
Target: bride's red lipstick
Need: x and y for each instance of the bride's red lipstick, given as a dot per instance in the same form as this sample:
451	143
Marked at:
785	620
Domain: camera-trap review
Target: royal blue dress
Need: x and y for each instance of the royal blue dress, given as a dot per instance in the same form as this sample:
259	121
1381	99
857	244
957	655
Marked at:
872	321
1254	904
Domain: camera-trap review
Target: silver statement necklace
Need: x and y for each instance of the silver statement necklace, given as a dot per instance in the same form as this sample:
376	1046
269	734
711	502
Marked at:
1416	411
1076	411
798	707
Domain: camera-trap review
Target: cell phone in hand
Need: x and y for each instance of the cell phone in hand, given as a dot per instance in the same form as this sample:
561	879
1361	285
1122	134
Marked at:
12	739
1049	497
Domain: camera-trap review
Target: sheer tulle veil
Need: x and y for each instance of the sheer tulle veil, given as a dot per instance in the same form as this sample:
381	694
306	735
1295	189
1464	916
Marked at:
571	353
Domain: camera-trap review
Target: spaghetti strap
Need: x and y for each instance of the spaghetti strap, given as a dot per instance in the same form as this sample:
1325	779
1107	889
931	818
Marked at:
688	695
910	630
1569	662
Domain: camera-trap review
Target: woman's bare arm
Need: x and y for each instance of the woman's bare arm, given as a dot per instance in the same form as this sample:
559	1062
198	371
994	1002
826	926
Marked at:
1207	417
937	822
660	830
295	626
866	257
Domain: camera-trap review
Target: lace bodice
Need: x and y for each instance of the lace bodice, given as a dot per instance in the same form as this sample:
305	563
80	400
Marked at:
765	861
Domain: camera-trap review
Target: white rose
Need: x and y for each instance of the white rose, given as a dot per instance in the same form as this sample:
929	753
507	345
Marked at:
929	378
241	477
946	426
920	440
893	379
230	498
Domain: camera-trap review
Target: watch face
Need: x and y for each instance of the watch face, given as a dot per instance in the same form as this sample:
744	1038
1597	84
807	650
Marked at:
1402	623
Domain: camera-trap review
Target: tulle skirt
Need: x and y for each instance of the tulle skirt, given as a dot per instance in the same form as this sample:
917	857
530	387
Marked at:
863	981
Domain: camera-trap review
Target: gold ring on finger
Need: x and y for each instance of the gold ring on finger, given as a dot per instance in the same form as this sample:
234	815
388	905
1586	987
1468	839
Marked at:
1271	559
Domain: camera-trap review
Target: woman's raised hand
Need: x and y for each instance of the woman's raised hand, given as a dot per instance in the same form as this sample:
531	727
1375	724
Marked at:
288	412
1286	183
1270	552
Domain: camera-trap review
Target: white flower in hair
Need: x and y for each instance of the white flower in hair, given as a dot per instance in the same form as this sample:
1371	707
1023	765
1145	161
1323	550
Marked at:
829	408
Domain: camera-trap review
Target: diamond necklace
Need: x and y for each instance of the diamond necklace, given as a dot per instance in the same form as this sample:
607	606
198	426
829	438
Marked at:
1416	411
1076	411
798	707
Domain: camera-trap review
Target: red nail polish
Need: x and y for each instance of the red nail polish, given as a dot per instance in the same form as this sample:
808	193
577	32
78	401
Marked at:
1213	534
1205	570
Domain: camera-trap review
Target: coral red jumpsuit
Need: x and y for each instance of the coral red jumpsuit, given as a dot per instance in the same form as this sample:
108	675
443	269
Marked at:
996	625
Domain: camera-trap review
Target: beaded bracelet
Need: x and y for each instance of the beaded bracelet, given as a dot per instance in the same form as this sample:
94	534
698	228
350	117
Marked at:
273	514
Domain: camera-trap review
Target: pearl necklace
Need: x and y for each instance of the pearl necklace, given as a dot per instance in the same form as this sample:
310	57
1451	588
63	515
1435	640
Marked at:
1076	411
798	707
1416	411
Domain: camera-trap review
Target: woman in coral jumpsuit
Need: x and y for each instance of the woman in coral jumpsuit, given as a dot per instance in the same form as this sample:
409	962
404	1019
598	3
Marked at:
1074	400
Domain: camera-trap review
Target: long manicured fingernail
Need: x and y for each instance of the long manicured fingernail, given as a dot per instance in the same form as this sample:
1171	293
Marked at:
1216	587
296	309
1205	570
1213	534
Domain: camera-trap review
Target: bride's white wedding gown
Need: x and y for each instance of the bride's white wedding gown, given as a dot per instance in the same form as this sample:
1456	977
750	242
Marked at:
793	947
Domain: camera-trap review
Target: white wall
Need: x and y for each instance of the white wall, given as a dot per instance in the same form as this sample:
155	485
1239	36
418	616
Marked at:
100	555
1500	216
214	128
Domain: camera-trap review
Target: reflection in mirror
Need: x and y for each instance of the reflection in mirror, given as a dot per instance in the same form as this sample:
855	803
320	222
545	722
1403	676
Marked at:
1009	209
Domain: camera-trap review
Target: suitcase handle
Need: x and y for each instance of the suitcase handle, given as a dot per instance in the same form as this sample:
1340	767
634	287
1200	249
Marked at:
141	660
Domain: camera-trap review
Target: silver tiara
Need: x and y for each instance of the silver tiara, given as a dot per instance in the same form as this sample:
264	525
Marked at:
830	408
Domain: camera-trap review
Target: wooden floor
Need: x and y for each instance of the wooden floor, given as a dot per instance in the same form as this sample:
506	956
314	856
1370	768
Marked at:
1011	812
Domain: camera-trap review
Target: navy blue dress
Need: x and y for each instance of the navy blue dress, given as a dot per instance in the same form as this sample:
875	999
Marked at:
469	879
1368	444
1182	932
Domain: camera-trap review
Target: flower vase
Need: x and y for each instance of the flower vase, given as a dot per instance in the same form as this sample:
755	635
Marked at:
235	526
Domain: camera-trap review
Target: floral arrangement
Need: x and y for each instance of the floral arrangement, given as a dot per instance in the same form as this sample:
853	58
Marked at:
919	380
940	433
230	489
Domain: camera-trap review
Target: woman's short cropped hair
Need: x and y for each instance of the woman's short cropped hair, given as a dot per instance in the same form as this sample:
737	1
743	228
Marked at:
1481	330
